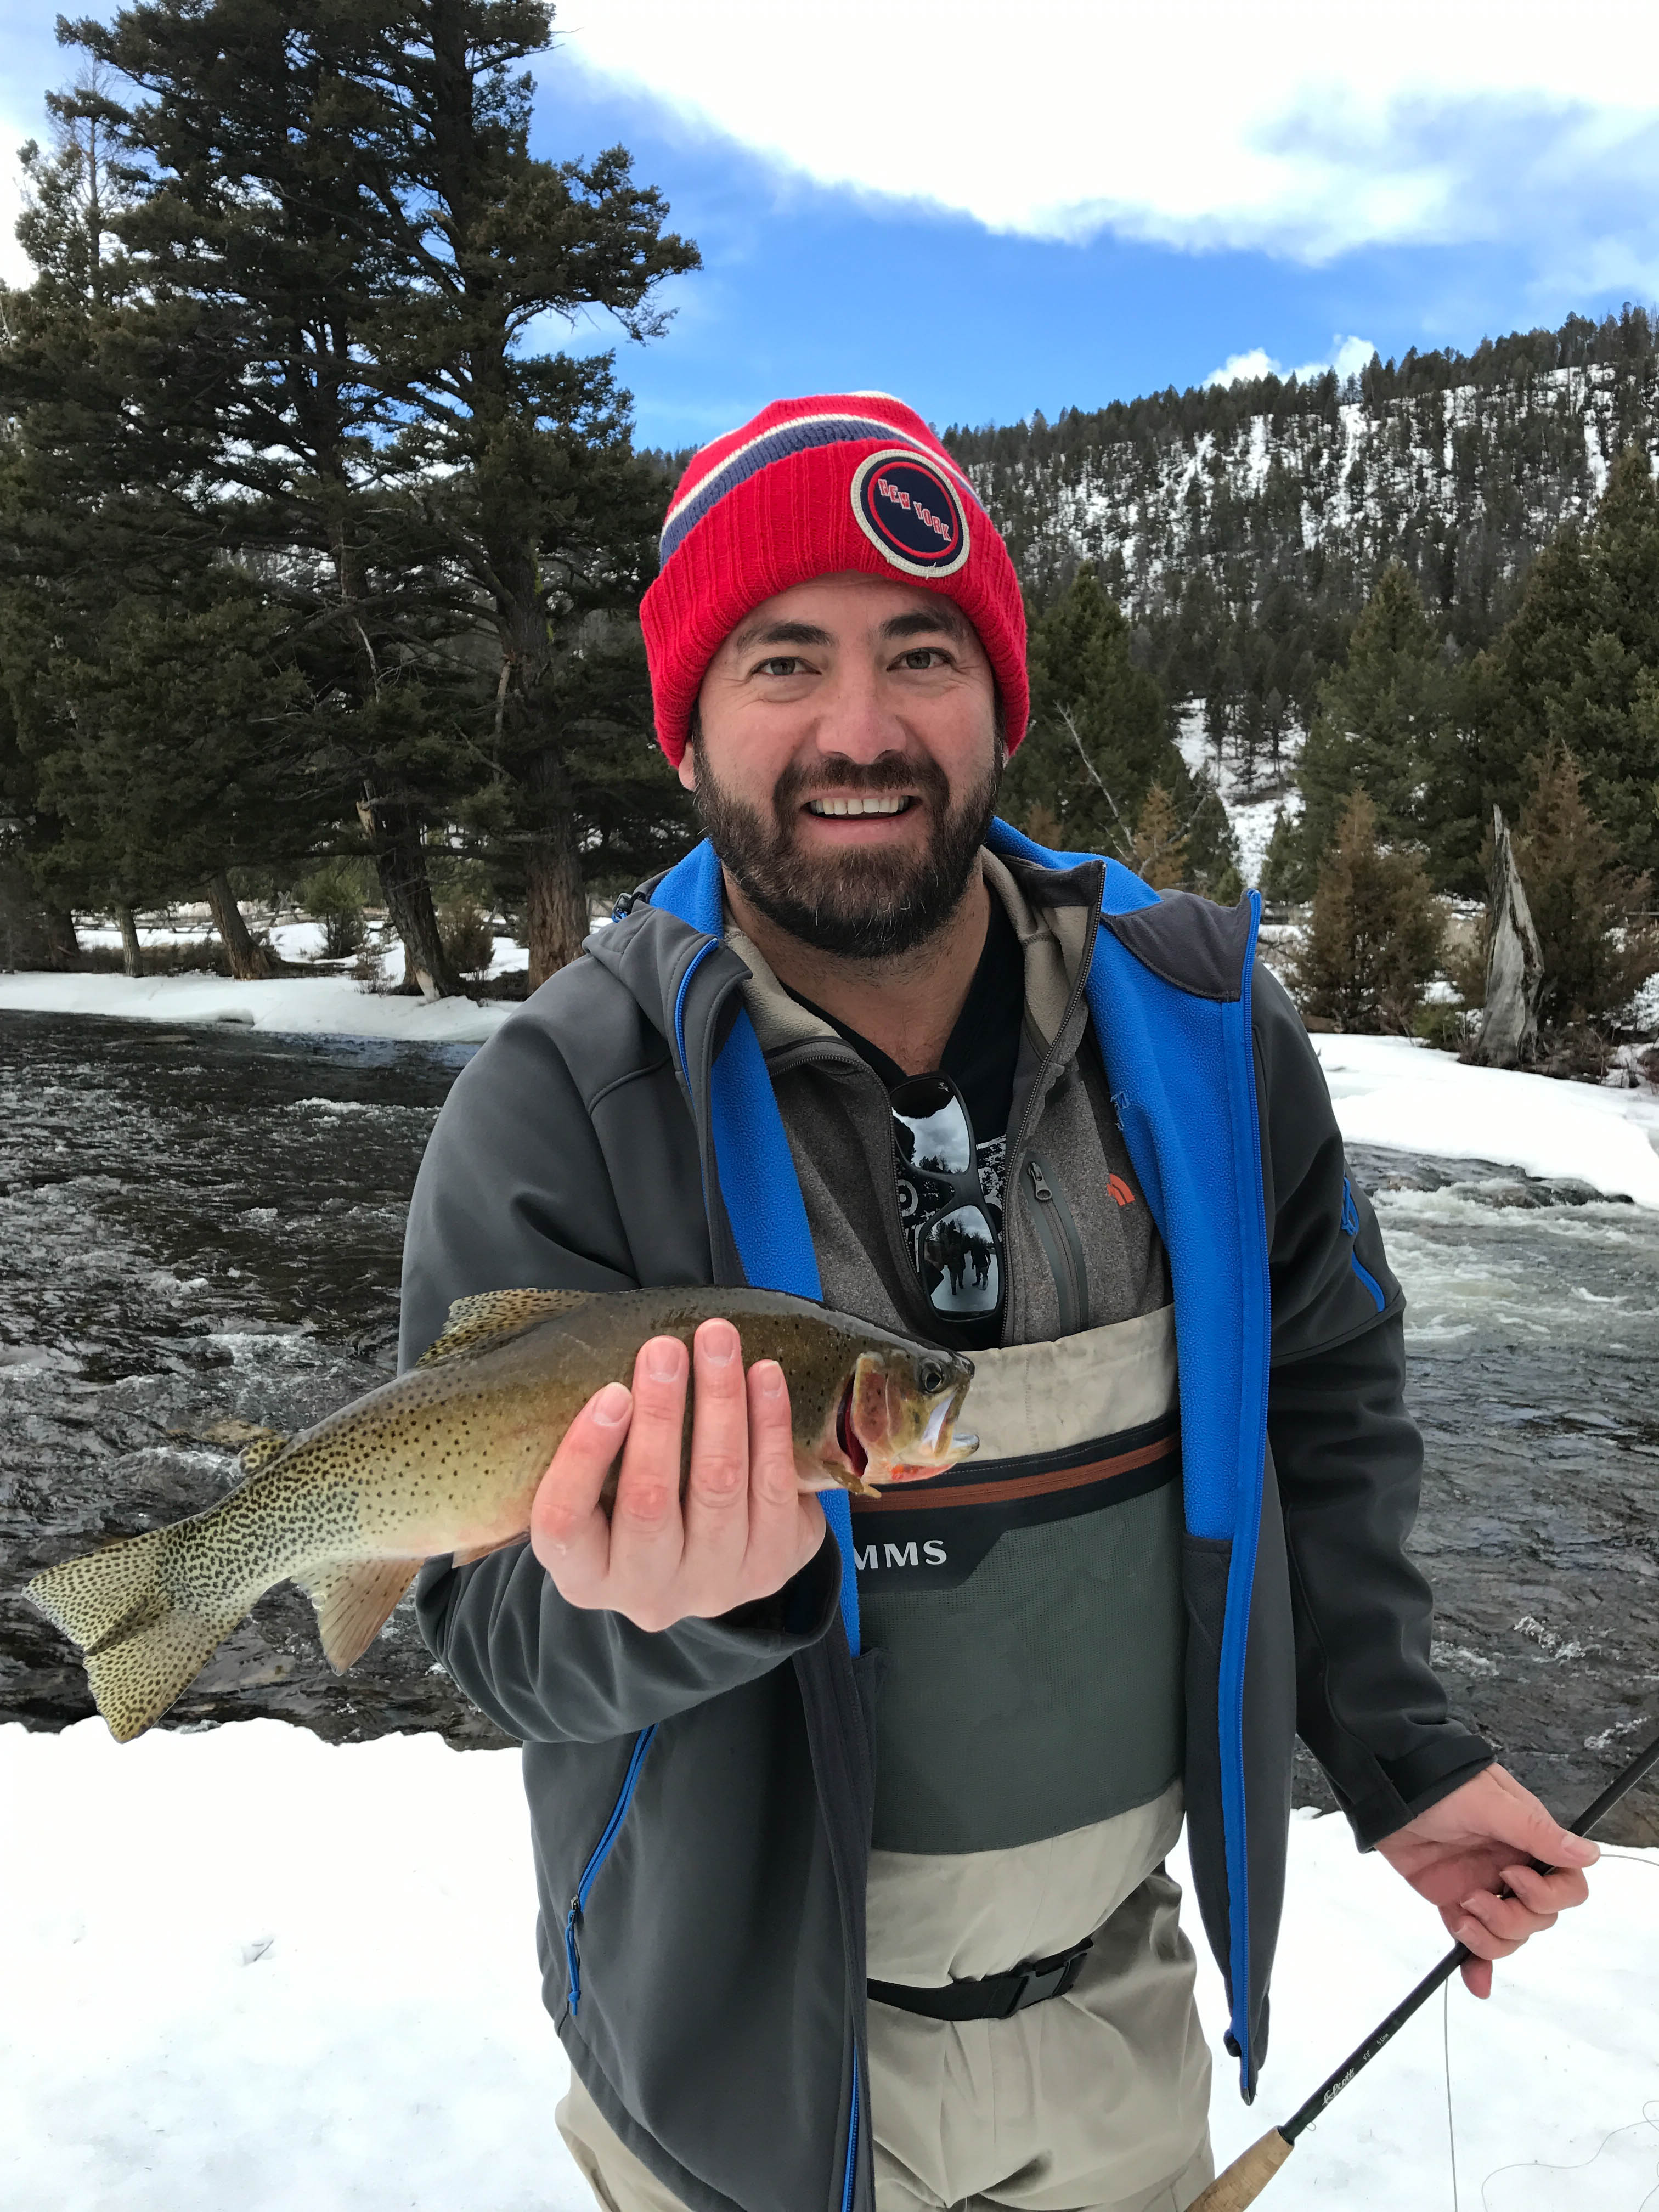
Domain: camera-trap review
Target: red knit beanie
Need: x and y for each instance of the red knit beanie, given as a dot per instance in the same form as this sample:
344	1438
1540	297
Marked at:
810	488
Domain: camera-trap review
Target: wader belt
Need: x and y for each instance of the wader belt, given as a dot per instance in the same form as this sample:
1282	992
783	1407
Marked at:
997	1997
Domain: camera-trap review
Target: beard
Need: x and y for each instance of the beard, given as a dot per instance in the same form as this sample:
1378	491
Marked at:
864	905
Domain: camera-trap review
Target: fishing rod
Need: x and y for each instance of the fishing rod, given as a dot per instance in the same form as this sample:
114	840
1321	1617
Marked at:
1244	2180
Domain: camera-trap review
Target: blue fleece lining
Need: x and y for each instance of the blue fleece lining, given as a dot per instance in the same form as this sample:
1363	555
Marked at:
851	2173
1197	1153
757	1178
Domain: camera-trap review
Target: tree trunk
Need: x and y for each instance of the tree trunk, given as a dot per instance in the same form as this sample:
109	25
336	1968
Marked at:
249	962
556	902
1514	963
132	958
64	946
31	933
394	832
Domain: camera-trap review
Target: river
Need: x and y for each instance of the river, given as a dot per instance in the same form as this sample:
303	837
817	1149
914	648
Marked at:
206	1222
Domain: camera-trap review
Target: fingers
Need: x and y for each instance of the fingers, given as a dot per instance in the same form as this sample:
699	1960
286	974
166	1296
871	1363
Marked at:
786	1525
1534	1904
744	1528
1533	1831
648	1533
1477	1976
717	1507
569	1533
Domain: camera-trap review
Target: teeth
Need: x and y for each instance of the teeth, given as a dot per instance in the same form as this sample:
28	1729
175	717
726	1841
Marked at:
856	805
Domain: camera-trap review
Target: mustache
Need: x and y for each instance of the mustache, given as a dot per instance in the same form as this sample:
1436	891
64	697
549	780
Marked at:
835	772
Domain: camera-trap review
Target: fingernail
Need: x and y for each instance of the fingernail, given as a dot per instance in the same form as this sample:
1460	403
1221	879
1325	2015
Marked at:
1582	1850
662	1359
769	1376
611	1406
716	1345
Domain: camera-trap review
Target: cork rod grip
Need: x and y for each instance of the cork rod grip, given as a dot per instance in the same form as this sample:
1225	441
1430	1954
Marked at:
1246	2177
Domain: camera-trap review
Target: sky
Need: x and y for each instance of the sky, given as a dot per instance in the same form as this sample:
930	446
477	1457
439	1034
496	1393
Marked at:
991	211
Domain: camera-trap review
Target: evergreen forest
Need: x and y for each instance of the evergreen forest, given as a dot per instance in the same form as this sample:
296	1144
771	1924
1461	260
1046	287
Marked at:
320	566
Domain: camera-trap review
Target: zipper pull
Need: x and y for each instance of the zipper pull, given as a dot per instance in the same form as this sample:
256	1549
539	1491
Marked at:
1040	1190
573	1961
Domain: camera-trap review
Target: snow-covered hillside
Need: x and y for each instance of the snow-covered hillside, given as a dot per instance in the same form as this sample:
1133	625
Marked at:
1348	479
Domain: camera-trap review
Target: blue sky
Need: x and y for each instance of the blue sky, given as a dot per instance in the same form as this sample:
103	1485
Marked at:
989	212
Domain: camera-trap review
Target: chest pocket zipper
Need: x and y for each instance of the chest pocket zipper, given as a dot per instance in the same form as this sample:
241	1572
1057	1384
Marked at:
1062	1247
601	1853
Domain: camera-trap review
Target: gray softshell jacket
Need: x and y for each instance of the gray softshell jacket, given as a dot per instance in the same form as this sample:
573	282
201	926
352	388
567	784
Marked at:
701	1798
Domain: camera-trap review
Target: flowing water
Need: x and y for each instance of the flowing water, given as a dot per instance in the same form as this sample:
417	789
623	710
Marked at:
201	1224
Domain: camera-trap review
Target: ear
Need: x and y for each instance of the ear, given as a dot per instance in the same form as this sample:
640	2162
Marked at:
687	770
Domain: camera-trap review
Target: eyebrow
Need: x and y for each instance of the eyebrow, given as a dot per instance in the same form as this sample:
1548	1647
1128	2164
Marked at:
779	633
921	623
945	619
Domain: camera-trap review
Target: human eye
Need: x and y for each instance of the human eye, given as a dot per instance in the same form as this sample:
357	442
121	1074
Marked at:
780	664
923	657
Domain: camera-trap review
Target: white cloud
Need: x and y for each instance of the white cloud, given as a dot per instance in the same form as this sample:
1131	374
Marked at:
1245	368
1289	124
1347	356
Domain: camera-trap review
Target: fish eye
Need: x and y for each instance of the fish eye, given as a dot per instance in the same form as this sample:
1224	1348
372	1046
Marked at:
931	1377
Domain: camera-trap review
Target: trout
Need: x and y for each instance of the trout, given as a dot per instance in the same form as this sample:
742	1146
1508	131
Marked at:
448	1459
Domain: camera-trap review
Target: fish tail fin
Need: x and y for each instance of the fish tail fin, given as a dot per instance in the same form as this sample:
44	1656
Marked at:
142	1644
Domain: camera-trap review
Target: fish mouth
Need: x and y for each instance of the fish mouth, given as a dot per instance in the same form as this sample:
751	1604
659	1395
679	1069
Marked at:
847	1436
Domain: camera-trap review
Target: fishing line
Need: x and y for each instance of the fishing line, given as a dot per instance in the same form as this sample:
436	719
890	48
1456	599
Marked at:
1445	2048
1649	2119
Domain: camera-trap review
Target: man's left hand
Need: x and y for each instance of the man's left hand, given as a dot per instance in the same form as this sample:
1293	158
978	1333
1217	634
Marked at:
1480	1839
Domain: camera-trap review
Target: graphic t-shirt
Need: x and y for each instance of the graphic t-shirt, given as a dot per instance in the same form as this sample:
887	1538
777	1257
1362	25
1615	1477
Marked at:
980	1058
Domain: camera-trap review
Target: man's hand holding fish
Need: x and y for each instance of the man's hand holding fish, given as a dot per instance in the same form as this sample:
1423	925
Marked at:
745	1526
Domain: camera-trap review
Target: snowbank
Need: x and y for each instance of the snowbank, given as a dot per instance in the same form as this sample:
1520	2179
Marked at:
330	1005
249	1968
1388	1091
1394	1092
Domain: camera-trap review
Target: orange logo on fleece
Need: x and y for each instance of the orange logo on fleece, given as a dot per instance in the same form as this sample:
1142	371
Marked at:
1120	1190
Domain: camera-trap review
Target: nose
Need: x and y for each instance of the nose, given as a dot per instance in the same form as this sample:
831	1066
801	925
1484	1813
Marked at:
854	721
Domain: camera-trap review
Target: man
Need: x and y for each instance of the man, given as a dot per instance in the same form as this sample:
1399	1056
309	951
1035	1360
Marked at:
850	1838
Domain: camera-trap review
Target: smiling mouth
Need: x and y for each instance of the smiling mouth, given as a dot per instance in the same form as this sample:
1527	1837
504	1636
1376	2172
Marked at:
885	804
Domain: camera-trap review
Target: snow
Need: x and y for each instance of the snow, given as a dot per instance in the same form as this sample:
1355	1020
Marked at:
1251	811
298	941
252	1968
1397	1093
295	1006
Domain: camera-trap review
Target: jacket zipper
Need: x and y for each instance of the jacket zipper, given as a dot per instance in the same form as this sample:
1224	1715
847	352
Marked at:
1062	1248
601	1853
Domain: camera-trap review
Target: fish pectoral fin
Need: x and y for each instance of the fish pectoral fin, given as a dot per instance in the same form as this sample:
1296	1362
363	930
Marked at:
494	1314
483	1550
354	1599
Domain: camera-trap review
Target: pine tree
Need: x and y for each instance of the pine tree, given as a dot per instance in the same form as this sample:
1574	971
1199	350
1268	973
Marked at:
254	230
1380	724
120	623
527	455
1158	851
1375	934
1577	667
1598	946
1099	733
